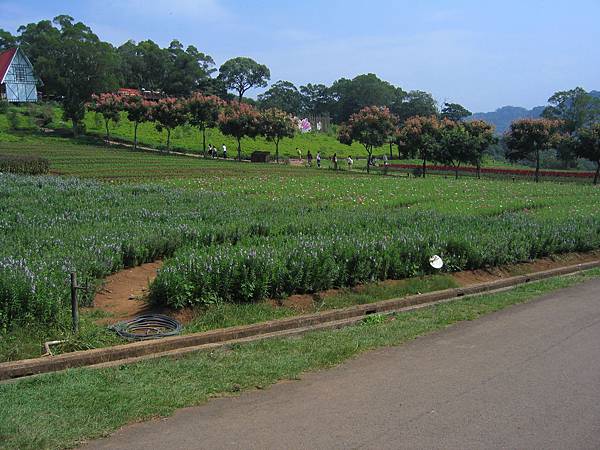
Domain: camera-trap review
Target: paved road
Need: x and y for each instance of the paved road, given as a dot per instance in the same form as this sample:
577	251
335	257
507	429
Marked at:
526	377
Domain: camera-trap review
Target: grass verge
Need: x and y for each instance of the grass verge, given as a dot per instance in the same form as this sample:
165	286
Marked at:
23	343
61	410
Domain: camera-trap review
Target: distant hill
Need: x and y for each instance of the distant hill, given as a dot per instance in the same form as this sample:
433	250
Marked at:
503	117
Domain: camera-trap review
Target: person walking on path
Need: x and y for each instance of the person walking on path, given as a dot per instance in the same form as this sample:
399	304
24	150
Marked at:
299	154
350	162
309	158
224	151
334	160
319	160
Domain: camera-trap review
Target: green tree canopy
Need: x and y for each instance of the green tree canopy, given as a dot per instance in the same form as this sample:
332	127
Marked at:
316	99
529	138
454	112
576	108
415	103
364	90
282	95
7	40
587	145
241	73
71	61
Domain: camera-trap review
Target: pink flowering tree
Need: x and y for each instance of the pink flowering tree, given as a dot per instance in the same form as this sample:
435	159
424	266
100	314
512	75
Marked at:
109	106
239	120
372	126
204	112
275	125
169	113
420	137
138	111
481	137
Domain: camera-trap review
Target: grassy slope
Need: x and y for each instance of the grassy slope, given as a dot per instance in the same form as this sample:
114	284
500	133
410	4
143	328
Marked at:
189	139
84	404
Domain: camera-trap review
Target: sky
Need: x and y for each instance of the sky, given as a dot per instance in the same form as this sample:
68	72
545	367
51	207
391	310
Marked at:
481	54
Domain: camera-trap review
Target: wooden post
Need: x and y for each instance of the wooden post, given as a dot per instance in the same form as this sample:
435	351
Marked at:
74	305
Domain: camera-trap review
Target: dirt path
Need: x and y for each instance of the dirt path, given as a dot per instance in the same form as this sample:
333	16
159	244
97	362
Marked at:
122	294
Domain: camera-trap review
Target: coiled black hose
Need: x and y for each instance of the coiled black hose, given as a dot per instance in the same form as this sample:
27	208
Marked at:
147	326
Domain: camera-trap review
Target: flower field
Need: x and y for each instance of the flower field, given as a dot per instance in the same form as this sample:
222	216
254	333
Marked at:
240	232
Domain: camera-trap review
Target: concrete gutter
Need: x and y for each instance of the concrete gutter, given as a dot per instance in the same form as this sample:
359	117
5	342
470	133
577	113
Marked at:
178	345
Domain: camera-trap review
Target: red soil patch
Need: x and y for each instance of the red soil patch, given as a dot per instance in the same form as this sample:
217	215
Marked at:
123	295
300	303
123	292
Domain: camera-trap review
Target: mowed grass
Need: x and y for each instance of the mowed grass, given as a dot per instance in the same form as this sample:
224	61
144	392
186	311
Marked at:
61	410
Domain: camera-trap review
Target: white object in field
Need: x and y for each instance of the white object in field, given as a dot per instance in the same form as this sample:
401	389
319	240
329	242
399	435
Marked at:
436	262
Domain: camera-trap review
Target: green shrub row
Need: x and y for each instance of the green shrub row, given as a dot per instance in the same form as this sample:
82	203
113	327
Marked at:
24	165
279	266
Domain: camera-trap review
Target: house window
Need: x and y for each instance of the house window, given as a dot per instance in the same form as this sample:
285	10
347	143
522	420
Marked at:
20	73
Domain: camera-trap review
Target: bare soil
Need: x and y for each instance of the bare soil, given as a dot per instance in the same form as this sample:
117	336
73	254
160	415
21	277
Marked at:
123	294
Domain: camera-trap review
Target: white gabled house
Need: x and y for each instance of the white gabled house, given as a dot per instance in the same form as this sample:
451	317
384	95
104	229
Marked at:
18	82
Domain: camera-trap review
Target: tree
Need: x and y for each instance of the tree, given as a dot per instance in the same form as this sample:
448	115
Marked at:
528	138
364	90
240	74
72	62
575	108
138	111
415	103
7	40
282	95
454	112
109	106
239	120
204	113
143	65
169	113
187	70
481	138
275	125
455	147
420	137
372	126
587	145
316	99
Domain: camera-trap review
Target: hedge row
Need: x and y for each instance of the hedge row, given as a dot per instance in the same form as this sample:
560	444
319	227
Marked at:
24	165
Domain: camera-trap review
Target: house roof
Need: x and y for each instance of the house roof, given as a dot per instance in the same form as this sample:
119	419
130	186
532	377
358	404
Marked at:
5	59
129	91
